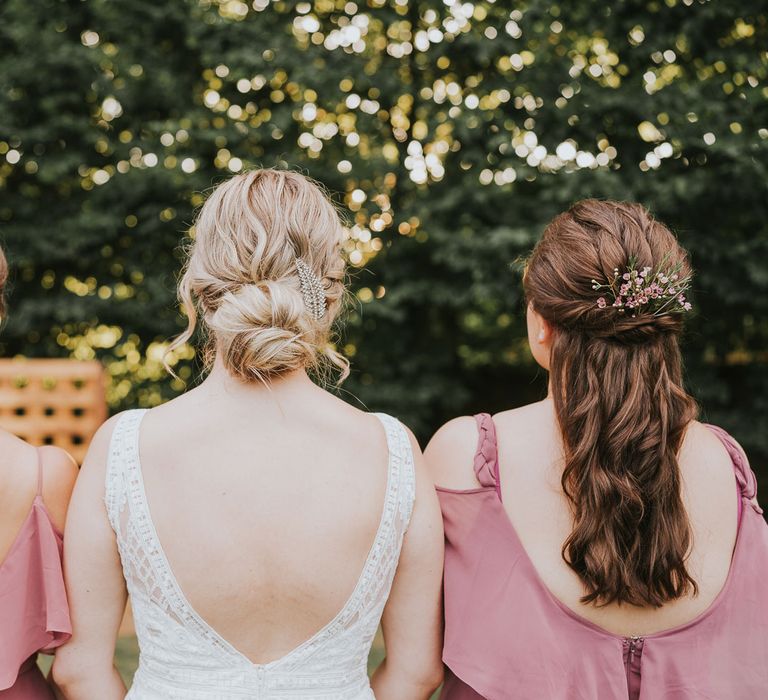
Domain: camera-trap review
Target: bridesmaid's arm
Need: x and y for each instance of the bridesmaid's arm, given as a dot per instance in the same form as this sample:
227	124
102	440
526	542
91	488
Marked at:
412	620
84	667
59	475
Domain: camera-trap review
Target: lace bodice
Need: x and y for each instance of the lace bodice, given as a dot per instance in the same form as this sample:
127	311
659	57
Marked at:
182	657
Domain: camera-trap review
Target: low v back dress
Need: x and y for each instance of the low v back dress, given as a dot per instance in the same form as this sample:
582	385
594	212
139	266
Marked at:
508	637
182	658
34	616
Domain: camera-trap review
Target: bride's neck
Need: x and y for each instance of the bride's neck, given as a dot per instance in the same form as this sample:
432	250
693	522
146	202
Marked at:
220	379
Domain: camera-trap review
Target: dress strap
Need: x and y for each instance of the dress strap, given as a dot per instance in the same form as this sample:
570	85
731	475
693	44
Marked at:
401	479
487	456
746	481
121	478
39	472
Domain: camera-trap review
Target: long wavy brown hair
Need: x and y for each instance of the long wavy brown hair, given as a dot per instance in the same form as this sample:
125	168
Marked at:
616	383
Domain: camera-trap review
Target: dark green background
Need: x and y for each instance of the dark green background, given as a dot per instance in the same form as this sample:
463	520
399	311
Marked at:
94	264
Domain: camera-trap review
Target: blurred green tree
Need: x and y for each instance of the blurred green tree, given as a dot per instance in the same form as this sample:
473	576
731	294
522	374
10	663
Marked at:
451	131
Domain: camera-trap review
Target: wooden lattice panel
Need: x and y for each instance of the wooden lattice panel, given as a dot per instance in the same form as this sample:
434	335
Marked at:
53	402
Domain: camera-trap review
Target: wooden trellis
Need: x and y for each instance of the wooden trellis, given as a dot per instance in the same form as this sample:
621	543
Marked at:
53	402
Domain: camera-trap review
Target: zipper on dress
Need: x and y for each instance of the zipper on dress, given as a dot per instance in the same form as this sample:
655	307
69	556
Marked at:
635	645
633	651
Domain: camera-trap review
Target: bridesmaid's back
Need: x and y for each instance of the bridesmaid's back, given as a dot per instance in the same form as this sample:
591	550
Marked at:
530	467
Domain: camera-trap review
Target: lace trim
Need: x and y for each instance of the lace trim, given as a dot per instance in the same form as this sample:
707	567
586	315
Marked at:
114	493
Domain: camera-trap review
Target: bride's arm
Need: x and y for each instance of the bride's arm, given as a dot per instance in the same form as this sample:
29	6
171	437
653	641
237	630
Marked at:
84	667
412	620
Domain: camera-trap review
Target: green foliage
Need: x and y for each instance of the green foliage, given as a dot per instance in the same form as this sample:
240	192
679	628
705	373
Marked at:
452	133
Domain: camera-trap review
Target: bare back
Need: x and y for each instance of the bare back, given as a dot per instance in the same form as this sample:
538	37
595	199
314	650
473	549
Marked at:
266	509
19	484
530	469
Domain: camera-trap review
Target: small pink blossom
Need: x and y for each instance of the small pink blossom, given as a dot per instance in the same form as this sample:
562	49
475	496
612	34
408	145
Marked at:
646	291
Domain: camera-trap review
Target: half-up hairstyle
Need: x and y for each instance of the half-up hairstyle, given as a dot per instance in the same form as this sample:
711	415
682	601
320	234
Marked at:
616	383
241	275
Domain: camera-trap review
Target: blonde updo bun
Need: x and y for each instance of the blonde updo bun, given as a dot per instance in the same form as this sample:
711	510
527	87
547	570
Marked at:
241	276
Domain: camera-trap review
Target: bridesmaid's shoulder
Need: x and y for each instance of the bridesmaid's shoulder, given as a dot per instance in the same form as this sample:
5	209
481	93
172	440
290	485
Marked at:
18	475
704	460
523	419
709	487
450	454
19	462
60	472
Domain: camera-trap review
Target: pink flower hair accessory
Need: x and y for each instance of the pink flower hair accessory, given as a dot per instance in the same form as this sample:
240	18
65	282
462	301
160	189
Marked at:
645	290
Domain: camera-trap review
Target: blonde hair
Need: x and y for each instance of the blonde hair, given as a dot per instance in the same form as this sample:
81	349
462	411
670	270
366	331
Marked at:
242	279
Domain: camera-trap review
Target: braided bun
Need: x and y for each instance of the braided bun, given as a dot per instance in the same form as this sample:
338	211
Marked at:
241	274
588	243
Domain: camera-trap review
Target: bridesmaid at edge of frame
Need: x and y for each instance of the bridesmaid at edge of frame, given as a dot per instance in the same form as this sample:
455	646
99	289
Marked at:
35	486
602	544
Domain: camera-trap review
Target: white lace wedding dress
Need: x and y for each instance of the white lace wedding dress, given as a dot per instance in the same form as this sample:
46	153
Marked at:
182	657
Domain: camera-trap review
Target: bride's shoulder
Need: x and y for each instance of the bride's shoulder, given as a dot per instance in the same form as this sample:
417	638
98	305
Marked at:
102	439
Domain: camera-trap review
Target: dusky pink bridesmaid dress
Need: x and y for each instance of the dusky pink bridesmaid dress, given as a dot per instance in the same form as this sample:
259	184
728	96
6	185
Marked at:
33	604
508	638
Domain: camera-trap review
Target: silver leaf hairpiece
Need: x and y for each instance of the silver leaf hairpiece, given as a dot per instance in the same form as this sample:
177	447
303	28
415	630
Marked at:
311	289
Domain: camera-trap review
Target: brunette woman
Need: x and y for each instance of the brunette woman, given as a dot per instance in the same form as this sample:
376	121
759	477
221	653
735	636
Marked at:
602	543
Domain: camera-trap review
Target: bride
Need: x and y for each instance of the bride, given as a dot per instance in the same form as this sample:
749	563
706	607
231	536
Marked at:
262	527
